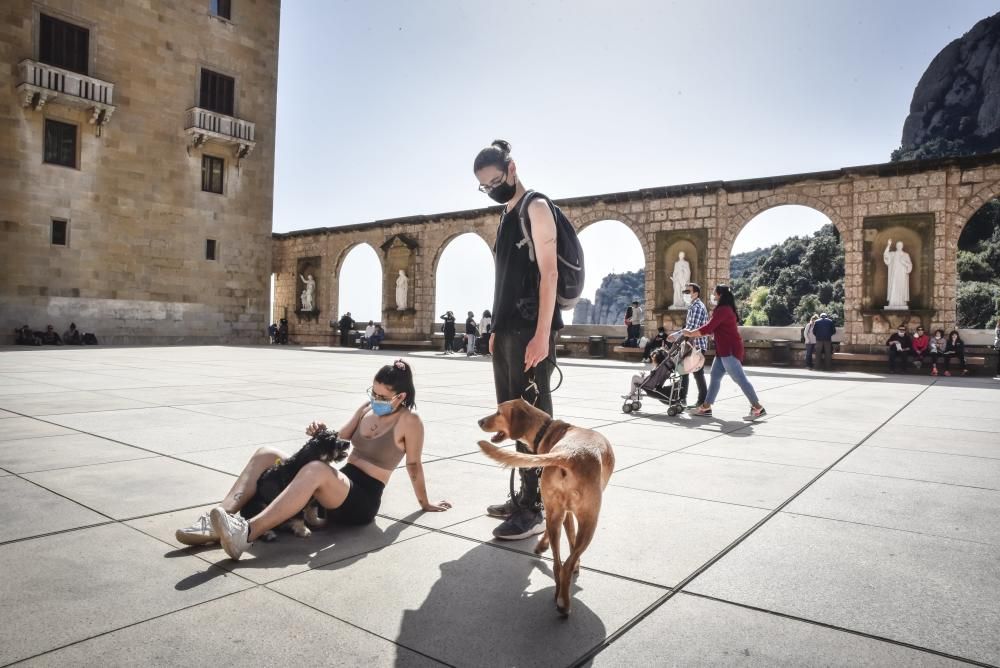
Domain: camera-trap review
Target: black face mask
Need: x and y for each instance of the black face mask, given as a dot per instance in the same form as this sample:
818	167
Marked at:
503	193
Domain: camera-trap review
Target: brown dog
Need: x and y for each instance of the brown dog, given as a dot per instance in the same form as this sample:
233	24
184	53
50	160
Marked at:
577	463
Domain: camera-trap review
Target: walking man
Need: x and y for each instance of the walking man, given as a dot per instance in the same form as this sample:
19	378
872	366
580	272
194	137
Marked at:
697	317
525	319
823	330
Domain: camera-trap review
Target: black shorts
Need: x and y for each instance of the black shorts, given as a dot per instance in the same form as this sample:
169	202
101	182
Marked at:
363	499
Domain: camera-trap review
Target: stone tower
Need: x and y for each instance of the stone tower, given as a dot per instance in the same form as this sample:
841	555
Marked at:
137	167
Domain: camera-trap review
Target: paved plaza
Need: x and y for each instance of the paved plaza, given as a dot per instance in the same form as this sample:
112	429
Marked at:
857	524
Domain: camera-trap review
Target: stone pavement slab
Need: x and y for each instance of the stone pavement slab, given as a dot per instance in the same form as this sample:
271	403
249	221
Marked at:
222	632
448	597
288	554
130	489
193	437
949	511
68	451
929	466
932	592
67	402
931	439
28	510
716	479
768	449
71	586
16	428
690	631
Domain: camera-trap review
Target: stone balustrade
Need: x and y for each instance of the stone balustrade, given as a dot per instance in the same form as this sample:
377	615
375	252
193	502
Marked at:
203	126
42	83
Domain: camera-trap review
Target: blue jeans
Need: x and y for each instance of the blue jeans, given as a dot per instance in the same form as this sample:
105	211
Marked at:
720	367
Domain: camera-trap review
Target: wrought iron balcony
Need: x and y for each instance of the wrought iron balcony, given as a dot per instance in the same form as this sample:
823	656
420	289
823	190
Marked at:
203	126
41	83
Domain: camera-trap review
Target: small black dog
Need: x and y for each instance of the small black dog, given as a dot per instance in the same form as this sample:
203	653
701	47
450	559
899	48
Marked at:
325	446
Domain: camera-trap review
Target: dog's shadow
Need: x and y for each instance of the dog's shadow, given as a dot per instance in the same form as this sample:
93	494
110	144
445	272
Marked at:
334	546
480	612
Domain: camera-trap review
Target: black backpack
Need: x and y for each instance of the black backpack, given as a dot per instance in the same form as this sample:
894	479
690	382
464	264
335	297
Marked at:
569	253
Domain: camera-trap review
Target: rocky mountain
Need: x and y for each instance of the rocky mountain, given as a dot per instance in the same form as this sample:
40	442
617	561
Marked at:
615	294
956	105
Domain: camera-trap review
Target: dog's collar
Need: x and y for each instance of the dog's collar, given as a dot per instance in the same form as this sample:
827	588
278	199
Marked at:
541	432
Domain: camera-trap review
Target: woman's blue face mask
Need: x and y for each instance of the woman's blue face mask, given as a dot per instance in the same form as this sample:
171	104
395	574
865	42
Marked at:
380	405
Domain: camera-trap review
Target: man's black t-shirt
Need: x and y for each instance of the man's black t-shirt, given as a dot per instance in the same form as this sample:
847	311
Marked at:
515	293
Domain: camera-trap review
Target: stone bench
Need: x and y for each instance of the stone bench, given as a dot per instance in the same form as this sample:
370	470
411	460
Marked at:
405	343
875	358
628	352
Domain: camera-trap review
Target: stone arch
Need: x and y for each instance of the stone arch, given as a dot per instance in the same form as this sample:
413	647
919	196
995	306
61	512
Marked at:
342	255
974	203
746	213
439	251
334	278
585	220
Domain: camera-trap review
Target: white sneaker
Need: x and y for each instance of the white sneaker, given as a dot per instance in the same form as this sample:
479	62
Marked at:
232	530
199	533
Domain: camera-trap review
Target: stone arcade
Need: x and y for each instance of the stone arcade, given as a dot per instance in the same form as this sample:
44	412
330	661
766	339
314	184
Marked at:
924	204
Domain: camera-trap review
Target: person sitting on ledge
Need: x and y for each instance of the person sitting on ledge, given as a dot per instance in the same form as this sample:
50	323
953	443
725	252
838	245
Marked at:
921	346
954	349
23	336
50	337
900	347
377	337
383	431
72	336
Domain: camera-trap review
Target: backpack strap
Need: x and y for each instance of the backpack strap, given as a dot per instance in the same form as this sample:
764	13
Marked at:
522	216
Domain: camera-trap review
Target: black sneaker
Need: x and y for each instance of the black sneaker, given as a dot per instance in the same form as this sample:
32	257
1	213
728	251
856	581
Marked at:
523	523
501	510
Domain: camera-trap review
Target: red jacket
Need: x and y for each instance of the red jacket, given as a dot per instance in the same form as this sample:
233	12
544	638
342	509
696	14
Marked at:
920	344
723	326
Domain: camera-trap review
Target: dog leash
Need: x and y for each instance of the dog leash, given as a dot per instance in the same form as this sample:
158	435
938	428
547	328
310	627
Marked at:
532	385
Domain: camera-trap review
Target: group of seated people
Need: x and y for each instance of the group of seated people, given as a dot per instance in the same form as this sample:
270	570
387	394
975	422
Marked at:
373	336
905	350
25	336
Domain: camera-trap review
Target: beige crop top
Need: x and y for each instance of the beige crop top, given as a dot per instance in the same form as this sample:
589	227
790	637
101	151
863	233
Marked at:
380	451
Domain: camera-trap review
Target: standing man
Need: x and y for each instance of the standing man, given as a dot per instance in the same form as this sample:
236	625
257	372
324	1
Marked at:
823	330
449	332
633	325
525	319
471	334
346	324
697	317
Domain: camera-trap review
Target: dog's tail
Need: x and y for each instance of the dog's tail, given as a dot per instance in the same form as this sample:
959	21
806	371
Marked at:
521	459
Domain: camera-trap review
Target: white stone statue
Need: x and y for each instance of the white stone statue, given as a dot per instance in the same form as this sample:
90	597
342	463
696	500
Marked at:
681	277
900	266
308	293
402	283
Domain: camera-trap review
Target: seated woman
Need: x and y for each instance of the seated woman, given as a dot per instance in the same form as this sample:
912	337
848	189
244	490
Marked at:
921	346
382	431
954	349
936	347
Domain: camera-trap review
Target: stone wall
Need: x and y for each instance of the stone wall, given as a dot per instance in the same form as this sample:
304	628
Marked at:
951	190
135	270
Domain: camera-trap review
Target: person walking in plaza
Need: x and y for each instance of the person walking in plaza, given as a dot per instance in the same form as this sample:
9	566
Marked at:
996	347
724	326
525	318
809	337
697	317
345	324
383	431
449	332
471	334
823	330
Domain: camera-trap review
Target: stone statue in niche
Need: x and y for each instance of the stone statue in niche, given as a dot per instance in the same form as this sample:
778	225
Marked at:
308	293
900	265
681	277
402	284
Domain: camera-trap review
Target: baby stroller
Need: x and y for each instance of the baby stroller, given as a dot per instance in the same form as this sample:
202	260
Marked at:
664	382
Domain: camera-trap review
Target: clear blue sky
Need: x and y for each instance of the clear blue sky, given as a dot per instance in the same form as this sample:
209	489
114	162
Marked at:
383	105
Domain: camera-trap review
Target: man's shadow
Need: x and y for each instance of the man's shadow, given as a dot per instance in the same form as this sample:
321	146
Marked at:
334	546
479	612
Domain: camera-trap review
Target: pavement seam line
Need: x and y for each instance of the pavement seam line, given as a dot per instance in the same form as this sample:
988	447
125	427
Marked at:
655	605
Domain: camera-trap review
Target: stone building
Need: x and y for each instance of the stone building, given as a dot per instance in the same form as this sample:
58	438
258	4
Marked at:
924	203
136	167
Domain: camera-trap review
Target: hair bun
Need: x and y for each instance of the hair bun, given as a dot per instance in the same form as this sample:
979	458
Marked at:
501	144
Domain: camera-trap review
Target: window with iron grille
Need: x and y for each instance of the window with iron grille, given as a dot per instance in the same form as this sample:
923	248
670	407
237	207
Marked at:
217	92
211	174
63	44
59	232
60	143
210	248
221	8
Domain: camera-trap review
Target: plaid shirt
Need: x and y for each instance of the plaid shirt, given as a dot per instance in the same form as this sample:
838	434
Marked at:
697	317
